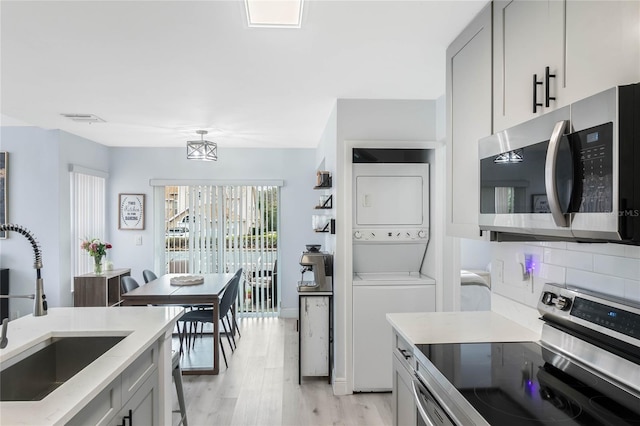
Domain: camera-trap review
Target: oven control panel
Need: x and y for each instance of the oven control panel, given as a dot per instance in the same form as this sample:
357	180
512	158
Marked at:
590	309
391	235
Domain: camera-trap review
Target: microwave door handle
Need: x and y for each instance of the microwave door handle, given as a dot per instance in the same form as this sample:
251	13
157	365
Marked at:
416	396
550	174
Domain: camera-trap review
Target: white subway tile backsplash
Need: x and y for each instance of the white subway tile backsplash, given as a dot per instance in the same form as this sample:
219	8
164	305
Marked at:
552	244
569	259
596	282
551	273
632	252
632	291
623	267
600	248
612	269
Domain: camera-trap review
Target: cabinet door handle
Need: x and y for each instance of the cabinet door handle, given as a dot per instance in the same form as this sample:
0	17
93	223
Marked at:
536	104
547	77
129	417
405	353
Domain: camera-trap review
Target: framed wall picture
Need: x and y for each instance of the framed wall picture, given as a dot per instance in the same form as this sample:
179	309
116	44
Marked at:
4	158
540	203
131	211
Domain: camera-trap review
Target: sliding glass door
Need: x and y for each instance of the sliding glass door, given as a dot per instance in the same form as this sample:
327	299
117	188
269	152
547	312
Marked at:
221	228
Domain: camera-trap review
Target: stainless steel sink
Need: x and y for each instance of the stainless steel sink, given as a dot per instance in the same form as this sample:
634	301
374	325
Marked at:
54	362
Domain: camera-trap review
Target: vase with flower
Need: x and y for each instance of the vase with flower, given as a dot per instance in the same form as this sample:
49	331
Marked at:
98	250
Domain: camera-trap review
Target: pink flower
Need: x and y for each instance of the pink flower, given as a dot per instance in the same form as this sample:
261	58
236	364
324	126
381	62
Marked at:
95	247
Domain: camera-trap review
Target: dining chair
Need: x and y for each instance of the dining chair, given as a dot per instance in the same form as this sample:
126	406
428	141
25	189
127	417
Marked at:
192	318
148	275
127	284
264	287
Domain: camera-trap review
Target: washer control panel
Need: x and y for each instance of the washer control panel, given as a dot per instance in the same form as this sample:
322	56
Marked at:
391	235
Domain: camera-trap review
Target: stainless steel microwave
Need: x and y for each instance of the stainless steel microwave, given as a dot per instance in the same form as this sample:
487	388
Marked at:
571	174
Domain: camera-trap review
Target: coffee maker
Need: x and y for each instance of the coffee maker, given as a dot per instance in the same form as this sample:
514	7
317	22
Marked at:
321	265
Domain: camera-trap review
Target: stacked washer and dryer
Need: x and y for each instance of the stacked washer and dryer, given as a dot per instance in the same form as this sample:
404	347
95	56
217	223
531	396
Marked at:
390	239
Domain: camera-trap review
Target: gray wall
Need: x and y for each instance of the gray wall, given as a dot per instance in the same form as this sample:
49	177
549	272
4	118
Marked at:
39	199
132	168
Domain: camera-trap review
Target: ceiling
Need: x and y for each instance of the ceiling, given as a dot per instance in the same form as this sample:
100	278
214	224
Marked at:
157	71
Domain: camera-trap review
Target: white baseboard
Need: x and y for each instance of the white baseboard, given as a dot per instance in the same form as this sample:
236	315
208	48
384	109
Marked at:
340	386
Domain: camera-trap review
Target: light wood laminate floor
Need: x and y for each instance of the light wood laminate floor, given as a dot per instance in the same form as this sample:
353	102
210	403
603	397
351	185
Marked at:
260	387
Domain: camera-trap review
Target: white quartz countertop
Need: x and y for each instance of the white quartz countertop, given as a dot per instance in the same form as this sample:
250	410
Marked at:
459	327
141	325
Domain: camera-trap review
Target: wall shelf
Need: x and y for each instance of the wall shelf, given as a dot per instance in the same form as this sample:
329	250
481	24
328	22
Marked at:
326	204
329	227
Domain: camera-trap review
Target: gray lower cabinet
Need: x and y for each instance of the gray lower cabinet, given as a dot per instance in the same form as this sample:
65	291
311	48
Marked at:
136	389
142	408
404	408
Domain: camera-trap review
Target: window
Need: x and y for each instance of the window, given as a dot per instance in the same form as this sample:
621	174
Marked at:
88	208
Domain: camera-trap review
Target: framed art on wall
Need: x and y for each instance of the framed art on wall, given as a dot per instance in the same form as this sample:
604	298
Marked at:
4	157
131	211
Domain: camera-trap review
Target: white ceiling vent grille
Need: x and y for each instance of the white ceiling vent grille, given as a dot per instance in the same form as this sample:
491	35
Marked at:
84	118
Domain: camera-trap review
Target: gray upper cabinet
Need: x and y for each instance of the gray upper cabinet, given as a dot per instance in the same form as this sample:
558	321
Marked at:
468	99
527	38
603	46
588	46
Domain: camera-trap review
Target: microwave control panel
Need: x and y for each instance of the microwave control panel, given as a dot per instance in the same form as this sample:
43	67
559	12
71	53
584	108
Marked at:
594	149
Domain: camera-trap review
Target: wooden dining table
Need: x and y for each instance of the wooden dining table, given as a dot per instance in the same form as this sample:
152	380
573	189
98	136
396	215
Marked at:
161	292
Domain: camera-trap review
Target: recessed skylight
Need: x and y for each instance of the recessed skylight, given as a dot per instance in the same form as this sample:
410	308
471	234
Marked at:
274	13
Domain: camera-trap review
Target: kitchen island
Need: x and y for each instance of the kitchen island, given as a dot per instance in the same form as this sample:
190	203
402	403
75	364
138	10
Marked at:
140	362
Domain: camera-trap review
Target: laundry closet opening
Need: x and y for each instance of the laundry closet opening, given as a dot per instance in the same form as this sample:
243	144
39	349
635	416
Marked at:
391	232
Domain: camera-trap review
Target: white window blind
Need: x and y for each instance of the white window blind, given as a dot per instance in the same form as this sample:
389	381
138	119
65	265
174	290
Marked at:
88	209
221	228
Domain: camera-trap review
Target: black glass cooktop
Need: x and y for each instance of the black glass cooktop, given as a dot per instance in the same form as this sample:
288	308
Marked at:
525	384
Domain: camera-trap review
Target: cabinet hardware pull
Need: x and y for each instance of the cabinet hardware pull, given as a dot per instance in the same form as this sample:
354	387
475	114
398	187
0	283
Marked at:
405	354
536	104
547	77
129	417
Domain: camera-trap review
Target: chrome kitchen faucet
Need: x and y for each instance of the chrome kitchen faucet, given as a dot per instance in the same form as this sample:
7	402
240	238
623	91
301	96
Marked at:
40	300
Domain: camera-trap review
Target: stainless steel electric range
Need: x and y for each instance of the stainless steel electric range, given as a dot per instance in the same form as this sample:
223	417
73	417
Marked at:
585	370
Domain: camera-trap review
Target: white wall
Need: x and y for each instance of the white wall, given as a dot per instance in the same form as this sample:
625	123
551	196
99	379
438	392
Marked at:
326	160
132	168
364	120
474	254
38	198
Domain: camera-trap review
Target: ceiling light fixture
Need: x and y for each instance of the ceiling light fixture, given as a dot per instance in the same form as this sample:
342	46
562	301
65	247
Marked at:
274	13
202	150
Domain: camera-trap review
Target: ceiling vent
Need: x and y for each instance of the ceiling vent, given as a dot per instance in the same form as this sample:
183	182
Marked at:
84	118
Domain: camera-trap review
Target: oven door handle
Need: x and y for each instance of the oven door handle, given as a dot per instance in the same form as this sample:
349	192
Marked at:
415	384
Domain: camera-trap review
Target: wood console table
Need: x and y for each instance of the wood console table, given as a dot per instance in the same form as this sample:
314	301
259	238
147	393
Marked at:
98	290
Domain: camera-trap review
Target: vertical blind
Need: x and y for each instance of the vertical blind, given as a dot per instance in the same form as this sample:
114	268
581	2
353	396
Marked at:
88	208
221	228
